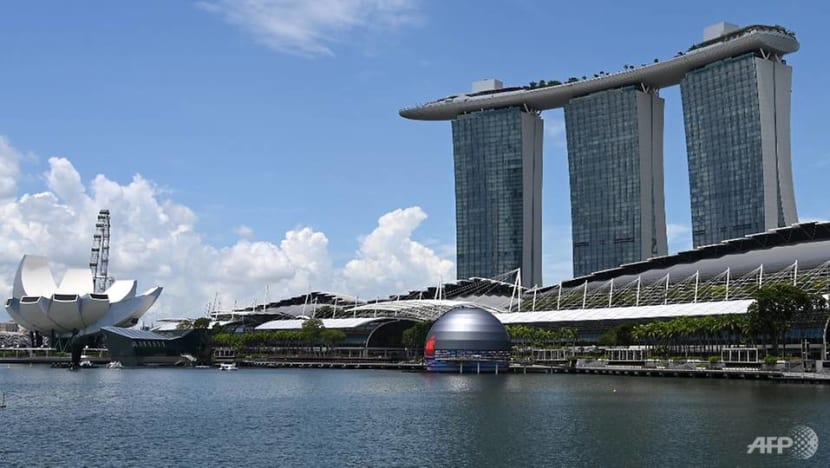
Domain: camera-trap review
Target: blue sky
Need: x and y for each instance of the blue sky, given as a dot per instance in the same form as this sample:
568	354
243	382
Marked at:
254	124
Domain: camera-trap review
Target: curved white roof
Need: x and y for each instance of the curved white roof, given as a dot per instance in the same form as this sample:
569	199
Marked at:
122	289
33	277
327	323
657	75
622	313
71	308
76	281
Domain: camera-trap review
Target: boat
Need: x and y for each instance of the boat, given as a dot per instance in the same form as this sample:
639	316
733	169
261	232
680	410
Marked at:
114	365
86	364
228	366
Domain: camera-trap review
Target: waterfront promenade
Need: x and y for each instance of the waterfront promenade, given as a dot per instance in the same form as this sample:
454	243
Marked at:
44	357
518	368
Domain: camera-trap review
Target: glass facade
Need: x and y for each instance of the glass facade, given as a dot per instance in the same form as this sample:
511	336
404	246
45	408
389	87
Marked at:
498	171
616	176
736	114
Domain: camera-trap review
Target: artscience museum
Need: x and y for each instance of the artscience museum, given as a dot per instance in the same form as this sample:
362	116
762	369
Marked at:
72	308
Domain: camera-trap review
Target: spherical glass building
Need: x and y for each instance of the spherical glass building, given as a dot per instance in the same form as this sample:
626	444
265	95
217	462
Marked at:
467	339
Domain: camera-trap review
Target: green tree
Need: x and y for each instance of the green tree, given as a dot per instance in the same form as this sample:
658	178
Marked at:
621	335
201	323
416	335
185	325
332	336
311	330
775	308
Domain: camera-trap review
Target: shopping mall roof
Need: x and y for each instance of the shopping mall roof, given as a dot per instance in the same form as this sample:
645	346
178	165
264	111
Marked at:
327	323
425	309
627	313
490	292
297	306
777	249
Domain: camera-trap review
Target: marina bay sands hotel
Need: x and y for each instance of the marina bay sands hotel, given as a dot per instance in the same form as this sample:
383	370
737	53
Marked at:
735	88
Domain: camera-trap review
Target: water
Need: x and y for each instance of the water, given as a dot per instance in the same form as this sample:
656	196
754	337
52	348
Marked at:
300	417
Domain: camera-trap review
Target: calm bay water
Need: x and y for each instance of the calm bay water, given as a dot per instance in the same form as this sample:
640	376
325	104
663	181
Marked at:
298	417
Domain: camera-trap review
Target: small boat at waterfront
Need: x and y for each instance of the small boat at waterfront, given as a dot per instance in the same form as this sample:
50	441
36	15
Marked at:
86	364
228	366
114	365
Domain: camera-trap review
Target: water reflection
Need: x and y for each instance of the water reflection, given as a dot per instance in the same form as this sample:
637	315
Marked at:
257	417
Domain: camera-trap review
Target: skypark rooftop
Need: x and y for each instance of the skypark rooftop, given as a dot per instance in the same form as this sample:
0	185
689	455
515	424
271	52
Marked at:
768	40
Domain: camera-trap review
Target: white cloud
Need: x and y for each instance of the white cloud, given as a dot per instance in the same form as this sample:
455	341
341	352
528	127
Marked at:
389	259
308	28
155	241
244	231
9	169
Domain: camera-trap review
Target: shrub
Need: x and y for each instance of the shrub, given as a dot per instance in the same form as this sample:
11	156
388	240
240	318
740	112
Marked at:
714	359
770	360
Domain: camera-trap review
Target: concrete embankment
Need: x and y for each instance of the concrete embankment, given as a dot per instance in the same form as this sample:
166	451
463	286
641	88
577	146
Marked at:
745	374
632	371
335	365
727	373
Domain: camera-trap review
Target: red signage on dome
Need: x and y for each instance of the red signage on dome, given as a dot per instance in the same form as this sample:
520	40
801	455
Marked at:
429	347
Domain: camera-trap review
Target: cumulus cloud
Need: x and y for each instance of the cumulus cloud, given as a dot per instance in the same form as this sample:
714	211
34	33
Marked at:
155	241
389	259
308	28
244	231
9	163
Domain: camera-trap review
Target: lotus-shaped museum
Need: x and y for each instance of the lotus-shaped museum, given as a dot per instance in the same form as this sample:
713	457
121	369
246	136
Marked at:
73	307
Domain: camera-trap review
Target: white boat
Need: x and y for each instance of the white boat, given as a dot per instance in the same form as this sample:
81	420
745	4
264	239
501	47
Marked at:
114	365
87	364
228	366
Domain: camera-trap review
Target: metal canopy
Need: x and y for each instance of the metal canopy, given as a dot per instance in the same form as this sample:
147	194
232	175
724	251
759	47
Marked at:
426	309
623	313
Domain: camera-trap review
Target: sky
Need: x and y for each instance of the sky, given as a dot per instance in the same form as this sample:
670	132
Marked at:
252	150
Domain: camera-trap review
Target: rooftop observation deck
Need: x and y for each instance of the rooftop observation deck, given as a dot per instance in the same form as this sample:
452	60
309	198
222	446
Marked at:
767	39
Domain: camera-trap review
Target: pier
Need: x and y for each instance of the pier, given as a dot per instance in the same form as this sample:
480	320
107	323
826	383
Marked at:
632	371
701	373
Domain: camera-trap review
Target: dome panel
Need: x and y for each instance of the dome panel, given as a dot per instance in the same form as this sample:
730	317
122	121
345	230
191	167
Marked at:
467	339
